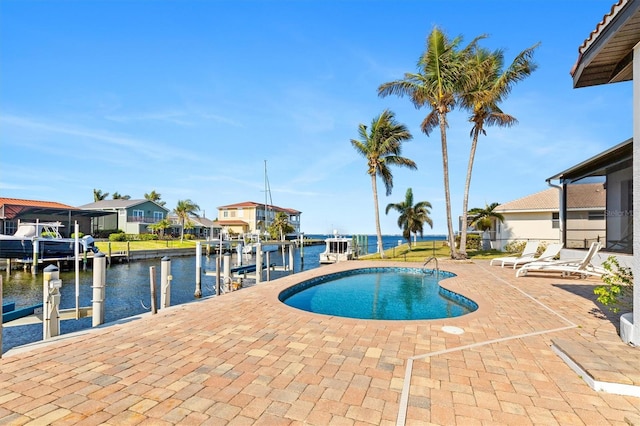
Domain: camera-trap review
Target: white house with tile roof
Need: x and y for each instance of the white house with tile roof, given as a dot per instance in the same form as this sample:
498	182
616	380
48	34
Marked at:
537	217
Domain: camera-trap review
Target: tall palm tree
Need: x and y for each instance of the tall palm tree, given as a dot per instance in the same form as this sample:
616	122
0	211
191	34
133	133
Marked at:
381	145
441	72
183	210
98	195
412	216
481	98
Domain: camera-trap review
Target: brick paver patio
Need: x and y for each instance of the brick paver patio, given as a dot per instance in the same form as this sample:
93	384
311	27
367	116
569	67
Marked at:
244	358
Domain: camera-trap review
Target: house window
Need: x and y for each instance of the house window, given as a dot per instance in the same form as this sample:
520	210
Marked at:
138	214
555	220
10	227
240	213
225	213
158	216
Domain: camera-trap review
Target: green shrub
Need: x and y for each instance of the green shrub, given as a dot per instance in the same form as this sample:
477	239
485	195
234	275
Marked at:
105	233
148	237
515	246
189	237
474	241
120	236
518	247
617	291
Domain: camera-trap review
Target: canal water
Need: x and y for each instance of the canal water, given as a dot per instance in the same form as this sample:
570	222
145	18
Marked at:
128	290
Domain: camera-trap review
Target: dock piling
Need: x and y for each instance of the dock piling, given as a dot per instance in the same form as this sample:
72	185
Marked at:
152	284
98	286
51	284
198	292
165	282
258	263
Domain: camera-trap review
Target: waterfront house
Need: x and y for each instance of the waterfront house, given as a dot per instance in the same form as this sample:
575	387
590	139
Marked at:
537	217
129	216
13	210
200	227
253	218
611	54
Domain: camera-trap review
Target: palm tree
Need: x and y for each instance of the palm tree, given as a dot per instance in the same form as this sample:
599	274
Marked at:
442	71
381	145
183	210
280	226
98	195
412	216
155	197
482	218
160	226
482	97
117	196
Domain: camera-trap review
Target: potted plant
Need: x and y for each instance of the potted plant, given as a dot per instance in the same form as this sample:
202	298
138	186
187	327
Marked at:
616	293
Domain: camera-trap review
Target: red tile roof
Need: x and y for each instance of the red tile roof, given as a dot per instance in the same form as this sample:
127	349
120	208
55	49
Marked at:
254	204
34	203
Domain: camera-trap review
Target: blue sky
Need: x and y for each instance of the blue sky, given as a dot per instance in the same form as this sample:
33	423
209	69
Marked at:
190	98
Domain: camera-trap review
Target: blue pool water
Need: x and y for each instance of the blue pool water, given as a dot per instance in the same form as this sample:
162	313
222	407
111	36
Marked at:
379	293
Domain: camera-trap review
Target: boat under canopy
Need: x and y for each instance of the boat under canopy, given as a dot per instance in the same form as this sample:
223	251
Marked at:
50	244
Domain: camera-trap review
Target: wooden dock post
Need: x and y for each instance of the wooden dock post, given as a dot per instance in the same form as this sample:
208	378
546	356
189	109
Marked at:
152	284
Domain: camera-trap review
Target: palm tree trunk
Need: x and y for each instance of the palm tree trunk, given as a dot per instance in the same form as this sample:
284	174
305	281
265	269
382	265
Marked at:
465	198
374	186
447	195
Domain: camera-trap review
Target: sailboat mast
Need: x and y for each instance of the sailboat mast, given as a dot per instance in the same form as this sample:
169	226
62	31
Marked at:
267	196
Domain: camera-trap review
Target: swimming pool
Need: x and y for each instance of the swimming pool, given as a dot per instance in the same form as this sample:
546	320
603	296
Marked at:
381	293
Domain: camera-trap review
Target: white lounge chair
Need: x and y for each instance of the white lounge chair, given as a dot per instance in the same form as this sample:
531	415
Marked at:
582	267
529	252
549	254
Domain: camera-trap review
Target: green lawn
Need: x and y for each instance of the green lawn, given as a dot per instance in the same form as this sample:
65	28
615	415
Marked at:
419	252
103	246
423	250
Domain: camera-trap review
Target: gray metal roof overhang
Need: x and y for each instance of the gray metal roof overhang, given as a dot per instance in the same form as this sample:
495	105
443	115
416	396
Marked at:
63	213
609	56
599	164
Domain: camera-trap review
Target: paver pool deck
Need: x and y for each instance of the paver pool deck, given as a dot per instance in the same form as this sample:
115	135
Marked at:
245	358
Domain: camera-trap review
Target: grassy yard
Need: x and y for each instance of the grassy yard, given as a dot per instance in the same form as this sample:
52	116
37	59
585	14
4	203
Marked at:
423	250
419	252
103	246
